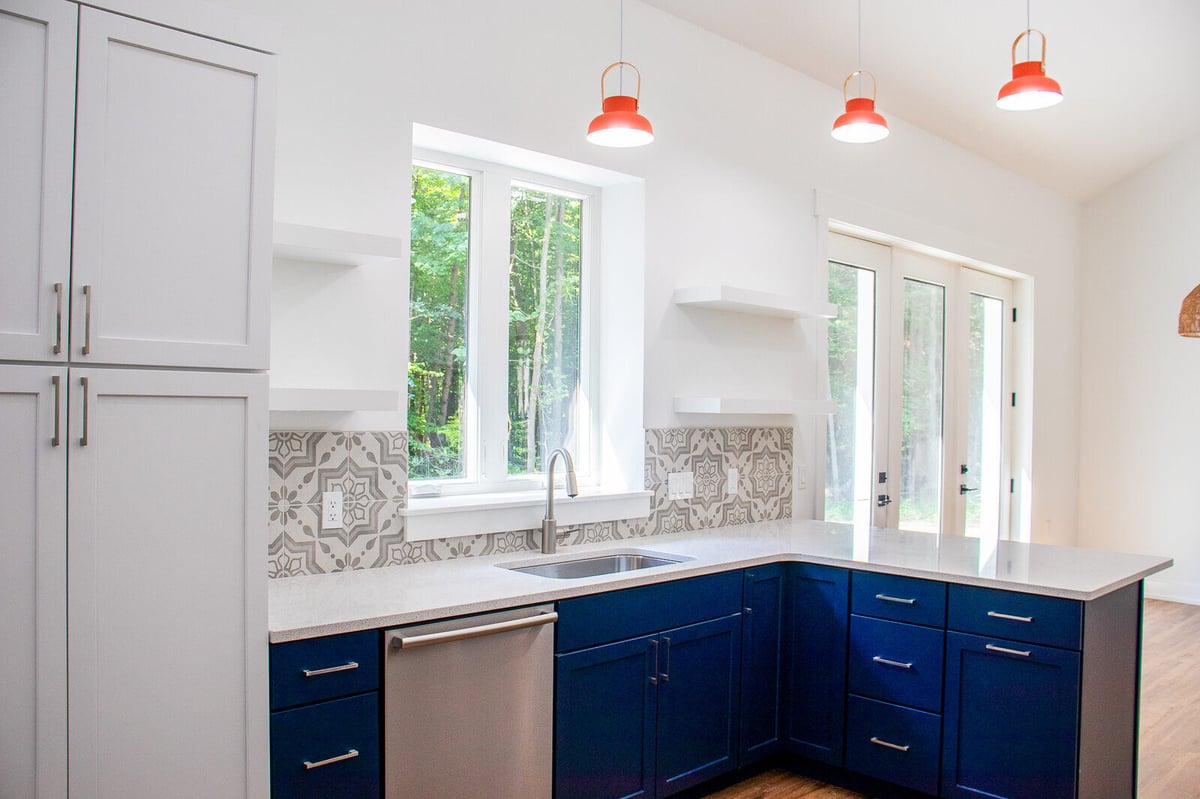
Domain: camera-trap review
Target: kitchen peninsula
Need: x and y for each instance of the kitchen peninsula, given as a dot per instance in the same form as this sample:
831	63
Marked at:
885	655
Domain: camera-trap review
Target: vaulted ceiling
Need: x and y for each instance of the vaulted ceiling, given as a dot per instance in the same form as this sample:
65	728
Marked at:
1130	72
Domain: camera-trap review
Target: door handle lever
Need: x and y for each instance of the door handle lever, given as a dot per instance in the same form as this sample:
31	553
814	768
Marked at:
962	488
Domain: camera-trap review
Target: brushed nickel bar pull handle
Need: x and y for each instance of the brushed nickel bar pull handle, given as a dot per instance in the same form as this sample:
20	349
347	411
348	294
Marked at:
1006	616
889	744
666	673
401	641
350	755
84	437
57	381
1021	652
87	320
350	666
58	294
901	600
895	663
654	676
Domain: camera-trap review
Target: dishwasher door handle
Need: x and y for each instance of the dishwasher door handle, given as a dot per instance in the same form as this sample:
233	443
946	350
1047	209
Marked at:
398	640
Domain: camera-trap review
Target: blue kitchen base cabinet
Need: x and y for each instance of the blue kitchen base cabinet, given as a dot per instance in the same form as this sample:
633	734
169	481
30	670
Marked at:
325	741
329	750
605	712
762	668
656	711
816	621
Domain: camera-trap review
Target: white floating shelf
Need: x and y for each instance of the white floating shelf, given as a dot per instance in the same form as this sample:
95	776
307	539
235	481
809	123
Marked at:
755	406
333	399
748	301
328	246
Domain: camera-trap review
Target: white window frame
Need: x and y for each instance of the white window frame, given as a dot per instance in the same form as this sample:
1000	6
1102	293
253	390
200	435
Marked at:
485	404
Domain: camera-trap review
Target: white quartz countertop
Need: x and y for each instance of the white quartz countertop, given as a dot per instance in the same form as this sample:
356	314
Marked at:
325	604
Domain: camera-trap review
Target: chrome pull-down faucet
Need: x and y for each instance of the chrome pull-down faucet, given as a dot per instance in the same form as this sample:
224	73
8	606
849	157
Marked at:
549	525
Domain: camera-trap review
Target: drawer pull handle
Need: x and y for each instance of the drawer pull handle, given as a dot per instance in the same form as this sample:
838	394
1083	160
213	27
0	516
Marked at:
889	744
993	614
87	321
901	600
1022	652
350	755
896	663
351	666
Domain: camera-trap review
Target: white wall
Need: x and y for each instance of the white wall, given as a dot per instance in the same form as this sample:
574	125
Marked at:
1140	409
742	144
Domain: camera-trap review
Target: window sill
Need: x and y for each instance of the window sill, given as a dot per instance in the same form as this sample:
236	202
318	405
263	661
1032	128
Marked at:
474	514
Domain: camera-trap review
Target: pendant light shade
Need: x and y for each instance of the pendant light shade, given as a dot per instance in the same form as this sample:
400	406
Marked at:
1189	315
620	124
1030	87
861	124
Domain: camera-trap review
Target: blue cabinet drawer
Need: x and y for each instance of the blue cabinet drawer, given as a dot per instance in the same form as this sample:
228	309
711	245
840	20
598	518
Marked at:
888	596
324	668
893	743
896	662
616	615
1020	617
329	750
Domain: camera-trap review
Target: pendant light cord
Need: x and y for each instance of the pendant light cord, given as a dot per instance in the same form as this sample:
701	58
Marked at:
1028	27
859	48
621	51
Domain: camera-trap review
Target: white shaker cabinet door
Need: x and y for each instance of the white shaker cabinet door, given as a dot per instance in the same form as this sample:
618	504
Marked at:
167	599
33	590
173	191
37	114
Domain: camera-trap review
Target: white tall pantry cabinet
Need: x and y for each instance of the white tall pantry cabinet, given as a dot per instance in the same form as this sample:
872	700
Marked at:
135	227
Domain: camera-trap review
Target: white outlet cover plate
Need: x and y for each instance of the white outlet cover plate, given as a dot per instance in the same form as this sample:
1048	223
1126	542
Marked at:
680	485
331	510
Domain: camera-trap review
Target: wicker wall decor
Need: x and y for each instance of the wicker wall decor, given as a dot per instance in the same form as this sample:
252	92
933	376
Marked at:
1189	315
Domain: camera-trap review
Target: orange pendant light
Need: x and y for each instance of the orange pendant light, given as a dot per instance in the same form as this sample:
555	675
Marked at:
1030	87
861	123
620	123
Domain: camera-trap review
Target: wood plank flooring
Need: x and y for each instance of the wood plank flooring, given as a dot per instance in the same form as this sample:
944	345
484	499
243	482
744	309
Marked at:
1169	763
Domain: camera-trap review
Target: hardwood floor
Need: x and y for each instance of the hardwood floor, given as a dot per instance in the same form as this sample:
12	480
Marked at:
1169	763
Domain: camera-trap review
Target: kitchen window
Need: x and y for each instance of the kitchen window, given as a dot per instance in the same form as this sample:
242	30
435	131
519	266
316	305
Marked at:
501	323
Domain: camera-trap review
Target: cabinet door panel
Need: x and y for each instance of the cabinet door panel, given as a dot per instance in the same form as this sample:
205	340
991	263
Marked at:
33	592
698	702
166	603
762	628
1011	720
172	197
37	77
818	611
604	721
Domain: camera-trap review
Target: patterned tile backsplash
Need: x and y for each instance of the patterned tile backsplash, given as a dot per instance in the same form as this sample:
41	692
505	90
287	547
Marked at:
370	468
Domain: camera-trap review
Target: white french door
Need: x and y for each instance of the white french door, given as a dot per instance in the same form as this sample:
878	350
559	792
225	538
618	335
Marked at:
919	367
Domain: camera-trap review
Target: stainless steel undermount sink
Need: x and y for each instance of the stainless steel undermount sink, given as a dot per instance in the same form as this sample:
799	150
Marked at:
595	565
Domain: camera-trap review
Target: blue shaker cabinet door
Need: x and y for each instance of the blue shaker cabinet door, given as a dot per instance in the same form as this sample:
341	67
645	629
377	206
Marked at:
329	750
1011	719
762	619
698	702
815	628
604	721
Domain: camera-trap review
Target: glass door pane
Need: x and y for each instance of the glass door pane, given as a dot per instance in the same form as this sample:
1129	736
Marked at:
921	406
981	482
849	435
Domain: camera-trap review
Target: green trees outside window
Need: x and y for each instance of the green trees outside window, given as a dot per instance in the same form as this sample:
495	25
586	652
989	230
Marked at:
544	325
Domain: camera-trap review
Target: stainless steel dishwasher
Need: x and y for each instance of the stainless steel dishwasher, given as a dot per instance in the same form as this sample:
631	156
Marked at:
469	707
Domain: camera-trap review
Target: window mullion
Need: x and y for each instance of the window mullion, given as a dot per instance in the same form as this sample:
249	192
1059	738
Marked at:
492	353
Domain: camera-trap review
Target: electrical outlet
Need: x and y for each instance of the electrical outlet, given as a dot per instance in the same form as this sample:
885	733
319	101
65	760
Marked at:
331	510
731	482
801	477
680	485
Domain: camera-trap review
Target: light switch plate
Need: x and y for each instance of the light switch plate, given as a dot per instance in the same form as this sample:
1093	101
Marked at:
331	510
680	485
731	482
